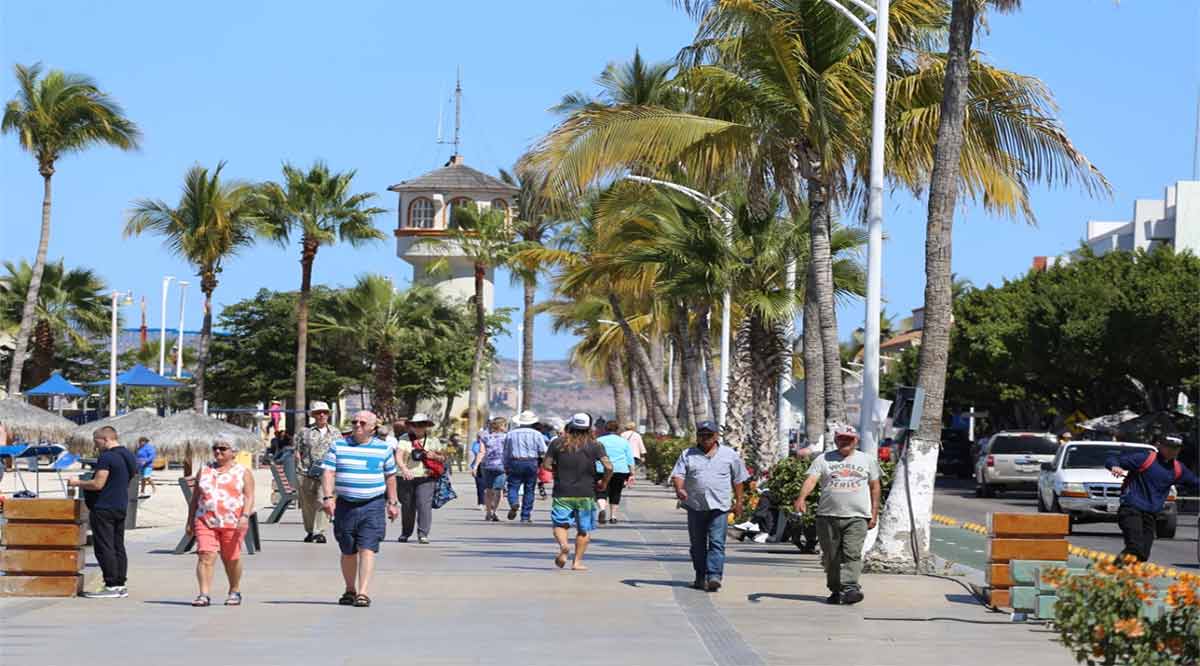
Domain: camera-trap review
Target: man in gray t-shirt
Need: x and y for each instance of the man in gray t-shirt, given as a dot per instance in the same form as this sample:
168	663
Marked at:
849	506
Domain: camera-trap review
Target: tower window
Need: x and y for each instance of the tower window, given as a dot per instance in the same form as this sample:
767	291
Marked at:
452	211
420	214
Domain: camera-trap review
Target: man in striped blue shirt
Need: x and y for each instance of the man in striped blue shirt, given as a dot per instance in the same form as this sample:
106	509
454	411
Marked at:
359	472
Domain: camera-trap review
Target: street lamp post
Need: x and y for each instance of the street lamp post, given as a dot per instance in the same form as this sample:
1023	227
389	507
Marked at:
125	298
162	331
183	284
722	212
870	394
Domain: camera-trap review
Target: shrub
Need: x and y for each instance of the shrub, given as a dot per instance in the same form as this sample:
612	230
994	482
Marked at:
661	454
1105	616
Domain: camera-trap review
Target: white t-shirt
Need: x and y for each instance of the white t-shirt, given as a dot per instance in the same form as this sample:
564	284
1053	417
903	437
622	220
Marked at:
845	483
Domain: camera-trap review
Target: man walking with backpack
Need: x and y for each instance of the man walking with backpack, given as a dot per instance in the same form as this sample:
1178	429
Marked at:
1148	476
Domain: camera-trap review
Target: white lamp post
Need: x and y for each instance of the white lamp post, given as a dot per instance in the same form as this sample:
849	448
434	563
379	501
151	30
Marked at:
125	298
183	284
870	394
162	331
722	212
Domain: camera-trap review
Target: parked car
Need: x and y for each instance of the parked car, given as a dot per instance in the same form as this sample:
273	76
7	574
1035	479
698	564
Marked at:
1012	460
955	456
1077	483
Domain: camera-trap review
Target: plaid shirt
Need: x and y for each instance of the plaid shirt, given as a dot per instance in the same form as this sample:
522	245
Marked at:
313	444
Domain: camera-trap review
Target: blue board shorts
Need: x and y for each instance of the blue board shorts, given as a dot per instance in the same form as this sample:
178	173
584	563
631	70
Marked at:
494	479
577	512
147	471
359	525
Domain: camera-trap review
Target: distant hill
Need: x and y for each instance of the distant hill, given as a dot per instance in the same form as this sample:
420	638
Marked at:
559	390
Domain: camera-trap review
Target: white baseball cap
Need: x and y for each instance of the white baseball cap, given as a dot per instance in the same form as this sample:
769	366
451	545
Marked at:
318	406
420	418
845	430
580	421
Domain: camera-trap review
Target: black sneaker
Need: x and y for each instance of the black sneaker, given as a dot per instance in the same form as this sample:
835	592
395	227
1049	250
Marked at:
527	520
402	539
318	538
851	596
512	513
309	537
698	584
713	584
834	599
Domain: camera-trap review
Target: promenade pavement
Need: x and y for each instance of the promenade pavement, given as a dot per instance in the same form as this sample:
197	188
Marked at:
487	593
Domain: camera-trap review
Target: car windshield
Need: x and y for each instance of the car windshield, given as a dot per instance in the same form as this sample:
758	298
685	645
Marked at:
1089	457
1040	445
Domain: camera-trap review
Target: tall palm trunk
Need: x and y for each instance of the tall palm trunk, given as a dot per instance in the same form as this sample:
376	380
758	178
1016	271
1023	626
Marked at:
822	280
689	364
35	286
914	478
635	412
620	388
740	382
764	373
207	285
658	358
641	360
814	367
384	400
43	352
527	344
477	363
308	255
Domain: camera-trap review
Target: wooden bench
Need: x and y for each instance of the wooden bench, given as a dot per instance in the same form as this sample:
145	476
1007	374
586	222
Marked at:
253	540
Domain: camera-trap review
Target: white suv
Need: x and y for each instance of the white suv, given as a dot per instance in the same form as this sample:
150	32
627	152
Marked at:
1012	460
1078	483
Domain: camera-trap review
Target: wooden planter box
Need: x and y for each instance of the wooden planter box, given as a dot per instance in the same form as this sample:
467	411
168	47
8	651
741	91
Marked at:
43	553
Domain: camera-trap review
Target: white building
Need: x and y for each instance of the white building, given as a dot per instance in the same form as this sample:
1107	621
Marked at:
1172	220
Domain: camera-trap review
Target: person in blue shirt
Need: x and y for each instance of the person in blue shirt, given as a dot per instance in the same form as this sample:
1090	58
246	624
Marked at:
524	447
1144	493
145	460
620	453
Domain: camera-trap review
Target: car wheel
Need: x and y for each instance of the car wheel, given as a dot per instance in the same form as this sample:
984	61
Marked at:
984	490
1165	528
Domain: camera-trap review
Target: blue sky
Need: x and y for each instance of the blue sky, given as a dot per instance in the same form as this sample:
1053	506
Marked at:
360	85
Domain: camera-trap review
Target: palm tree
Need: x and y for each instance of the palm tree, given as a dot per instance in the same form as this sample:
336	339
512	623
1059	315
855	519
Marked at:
212	222
635	82
319	206
71	304
485	239
383	319
53	116
1022	132
538	212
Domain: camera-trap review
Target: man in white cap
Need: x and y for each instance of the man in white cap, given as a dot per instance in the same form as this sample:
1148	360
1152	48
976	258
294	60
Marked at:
848	507
310	451
524	449
421	459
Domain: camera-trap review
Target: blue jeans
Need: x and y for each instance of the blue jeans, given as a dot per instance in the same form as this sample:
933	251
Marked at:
706	530
522	473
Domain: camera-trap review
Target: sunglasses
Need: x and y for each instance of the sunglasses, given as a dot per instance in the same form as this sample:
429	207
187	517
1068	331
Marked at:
220	448
358	423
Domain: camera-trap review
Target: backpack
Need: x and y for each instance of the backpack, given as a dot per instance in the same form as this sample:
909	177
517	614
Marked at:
1146	465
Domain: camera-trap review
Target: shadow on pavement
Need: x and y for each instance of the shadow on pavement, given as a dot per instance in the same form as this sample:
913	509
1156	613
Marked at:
634	582
161	602
943	619
302	603
759	596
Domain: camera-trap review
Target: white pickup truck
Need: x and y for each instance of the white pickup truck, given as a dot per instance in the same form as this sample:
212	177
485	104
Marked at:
1078	483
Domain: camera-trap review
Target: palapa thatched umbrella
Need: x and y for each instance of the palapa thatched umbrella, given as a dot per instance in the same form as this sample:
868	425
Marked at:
34	425
129	427
188	436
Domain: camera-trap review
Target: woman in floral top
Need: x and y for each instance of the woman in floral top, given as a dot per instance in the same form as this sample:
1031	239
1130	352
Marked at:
218	517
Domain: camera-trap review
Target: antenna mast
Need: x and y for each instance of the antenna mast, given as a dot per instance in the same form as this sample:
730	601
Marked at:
457	116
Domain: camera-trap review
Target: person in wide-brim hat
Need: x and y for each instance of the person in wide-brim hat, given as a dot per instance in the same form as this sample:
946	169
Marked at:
524	449
525	418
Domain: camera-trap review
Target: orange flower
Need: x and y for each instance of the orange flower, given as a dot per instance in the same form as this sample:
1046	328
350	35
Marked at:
1131	627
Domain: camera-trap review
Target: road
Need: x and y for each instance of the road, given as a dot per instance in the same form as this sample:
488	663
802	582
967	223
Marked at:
956	498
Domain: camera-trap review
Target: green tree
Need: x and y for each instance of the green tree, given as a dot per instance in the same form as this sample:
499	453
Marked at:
212	222
252	361
55	115
71	305
318	206
485	239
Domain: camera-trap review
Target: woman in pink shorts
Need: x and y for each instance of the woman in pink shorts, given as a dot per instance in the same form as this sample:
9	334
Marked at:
218	518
